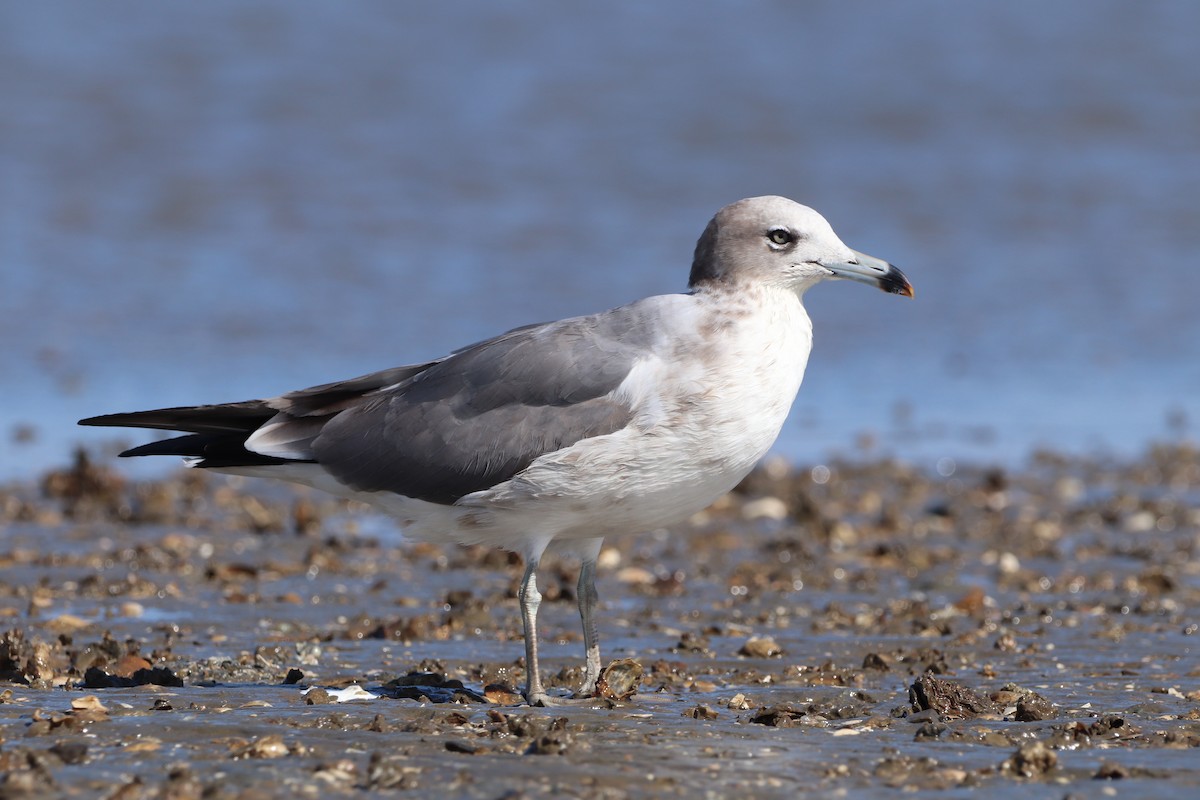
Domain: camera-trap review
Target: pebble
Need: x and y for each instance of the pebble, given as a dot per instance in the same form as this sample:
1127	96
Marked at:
761	647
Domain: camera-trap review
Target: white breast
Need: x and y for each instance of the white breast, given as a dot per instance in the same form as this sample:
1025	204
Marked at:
710	402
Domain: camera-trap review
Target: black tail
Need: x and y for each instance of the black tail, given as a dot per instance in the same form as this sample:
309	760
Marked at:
224	418
217	433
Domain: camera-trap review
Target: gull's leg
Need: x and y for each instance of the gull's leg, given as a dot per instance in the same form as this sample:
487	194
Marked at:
535	693
530	599
586	592
588	551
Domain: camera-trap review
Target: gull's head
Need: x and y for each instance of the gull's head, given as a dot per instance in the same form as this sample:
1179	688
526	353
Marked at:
776	241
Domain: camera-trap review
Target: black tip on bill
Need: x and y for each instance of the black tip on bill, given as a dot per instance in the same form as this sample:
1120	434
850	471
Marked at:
895	282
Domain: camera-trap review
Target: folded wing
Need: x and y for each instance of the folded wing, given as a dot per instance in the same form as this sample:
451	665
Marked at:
433	431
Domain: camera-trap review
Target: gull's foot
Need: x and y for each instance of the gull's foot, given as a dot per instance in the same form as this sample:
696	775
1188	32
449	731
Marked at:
545	700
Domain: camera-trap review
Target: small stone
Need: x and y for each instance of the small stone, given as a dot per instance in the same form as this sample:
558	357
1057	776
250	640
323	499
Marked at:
271	746
637	576
995	739
620	679
556	741
692	643
318	696
786	716
609	559
950	776
1031	760
88	702
132	609
1032	707
738	703
761	647
930	731
341	773
876	662
951	700
701	711
390	772
128	665
502	695
972	602
771	508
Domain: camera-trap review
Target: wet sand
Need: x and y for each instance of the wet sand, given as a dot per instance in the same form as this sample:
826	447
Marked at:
848	629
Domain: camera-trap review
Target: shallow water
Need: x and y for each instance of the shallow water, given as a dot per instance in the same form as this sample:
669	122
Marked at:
1075	580
214	201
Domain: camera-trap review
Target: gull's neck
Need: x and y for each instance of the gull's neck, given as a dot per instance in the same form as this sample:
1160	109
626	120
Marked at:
751	298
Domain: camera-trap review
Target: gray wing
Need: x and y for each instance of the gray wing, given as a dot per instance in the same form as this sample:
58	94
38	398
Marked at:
330	398
480	416
434	431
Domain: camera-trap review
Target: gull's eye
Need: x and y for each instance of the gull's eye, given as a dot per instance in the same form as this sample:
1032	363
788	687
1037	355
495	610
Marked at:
780	236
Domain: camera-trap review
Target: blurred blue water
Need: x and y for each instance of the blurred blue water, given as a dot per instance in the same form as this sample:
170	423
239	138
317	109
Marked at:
216	201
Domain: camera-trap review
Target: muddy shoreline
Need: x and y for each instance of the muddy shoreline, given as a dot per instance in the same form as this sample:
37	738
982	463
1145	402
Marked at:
847	628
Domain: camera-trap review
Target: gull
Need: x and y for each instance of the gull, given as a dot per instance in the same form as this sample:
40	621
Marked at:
551	437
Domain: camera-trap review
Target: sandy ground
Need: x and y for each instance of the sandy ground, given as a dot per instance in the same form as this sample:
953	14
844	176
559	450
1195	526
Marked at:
846	630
